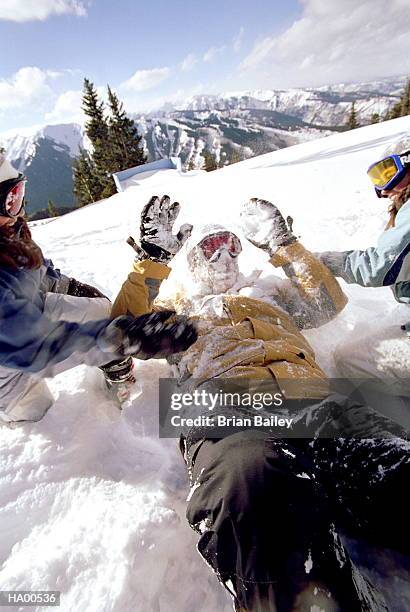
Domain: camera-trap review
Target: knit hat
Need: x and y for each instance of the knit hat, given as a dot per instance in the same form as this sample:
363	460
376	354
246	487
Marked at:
7	172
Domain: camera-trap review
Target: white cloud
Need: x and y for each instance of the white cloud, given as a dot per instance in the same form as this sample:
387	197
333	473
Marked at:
67	108
189	62
29	10
146	79
212	53
342	40
26	86
237	41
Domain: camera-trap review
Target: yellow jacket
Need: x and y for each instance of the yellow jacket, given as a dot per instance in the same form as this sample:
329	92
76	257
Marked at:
253	339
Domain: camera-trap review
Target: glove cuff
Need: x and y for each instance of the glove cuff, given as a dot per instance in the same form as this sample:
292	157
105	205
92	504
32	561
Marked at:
111	338
146	250
273	247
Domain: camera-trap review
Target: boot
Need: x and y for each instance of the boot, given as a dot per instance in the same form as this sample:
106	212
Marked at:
119	379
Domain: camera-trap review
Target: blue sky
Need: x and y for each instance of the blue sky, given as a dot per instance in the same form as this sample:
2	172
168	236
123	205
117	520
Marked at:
160	51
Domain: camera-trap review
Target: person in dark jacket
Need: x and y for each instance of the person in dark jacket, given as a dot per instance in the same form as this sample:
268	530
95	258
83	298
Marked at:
382	356
50	323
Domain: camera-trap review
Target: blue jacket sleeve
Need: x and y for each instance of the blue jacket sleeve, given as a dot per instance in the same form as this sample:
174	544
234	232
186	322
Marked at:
376	266
31	342
54	281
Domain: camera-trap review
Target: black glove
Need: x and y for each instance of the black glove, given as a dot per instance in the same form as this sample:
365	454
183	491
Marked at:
83	290
157	242
155	335
264	226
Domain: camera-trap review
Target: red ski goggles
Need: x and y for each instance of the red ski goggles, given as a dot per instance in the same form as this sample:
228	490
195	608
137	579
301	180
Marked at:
12	196
222	240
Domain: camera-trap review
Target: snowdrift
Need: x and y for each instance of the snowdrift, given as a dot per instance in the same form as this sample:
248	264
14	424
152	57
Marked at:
92	503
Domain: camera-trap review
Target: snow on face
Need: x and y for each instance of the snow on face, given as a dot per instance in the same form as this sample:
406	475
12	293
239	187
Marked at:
215	276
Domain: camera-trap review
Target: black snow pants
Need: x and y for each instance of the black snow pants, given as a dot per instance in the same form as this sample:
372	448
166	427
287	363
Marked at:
269	512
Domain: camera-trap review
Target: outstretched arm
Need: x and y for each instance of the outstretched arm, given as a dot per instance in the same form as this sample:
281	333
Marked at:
314	296
376	266
56	282
156	246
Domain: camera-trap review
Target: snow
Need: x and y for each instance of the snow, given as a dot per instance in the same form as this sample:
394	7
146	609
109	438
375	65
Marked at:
91	502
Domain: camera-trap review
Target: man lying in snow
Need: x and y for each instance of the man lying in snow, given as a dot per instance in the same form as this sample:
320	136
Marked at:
268	510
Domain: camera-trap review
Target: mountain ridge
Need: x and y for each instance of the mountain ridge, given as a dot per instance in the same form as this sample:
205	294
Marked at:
232	125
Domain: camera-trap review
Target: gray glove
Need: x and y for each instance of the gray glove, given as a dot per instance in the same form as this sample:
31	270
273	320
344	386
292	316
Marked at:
157	242
264	226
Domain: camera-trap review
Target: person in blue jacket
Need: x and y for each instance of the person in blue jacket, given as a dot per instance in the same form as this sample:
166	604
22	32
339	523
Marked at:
50	323
383	355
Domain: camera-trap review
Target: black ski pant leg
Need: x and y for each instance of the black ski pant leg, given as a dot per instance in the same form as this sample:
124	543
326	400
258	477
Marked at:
264	523
368	481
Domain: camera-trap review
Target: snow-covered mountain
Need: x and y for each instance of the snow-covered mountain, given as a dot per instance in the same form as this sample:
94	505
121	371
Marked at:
45	154
321	106
92	502
232	126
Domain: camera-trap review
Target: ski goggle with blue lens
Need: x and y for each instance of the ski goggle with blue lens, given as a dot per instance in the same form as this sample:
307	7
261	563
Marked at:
388	172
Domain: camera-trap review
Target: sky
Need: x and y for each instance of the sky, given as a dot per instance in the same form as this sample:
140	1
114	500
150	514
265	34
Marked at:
162	51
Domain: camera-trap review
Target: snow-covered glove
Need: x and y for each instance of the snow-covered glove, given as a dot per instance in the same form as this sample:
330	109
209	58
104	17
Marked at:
83	290
149	336
264	226
157	242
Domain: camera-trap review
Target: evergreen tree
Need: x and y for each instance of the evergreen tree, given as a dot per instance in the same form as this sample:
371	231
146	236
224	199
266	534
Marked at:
352	122
402	107
96	125
116	145
191	164
375	118
209	161
52	210
96	128
87	187
405	100
126	150
235	157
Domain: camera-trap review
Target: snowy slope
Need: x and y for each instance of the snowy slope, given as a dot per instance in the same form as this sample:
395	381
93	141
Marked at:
91	501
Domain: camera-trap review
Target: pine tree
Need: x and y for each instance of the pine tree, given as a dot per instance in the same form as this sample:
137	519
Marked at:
87	187
116	145
125	144
405	100
96	125
97	130
52	210
395	111
352	122
235	157
375	118
209	161
191	164
402	107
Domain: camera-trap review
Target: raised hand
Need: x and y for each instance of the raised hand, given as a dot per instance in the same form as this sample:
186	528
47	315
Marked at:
157	242
264	226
